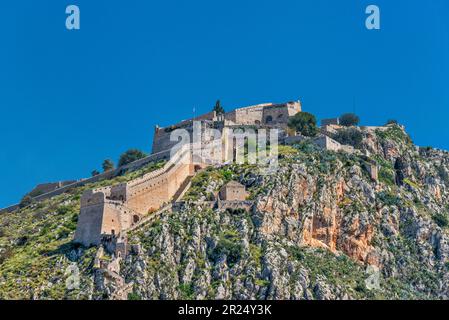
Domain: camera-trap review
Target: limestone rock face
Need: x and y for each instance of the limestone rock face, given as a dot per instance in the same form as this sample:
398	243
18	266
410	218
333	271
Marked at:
320	227
317	226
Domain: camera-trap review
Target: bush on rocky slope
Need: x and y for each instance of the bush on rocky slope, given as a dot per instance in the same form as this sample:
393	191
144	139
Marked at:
316	224
36	248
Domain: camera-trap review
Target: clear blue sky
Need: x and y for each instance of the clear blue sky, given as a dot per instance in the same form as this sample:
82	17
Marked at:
70	99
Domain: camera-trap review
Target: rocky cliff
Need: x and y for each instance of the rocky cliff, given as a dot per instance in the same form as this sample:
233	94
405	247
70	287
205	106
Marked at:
320	228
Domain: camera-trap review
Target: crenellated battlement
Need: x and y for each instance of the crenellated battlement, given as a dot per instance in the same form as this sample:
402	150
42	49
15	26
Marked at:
109	211
261	115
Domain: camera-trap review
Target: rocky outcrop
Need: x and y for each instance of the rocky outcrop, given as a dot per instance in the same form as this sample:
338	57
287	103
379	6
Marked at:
320	227
315	228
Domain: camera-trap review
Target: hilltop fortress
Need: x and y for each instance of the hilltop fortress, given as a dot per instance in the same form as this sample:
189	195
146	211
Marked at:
111	210
107	213
268	115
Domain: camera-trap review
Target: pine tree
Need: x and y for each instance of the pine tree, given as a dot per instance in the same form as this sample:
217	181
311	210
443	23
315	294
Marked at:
108	165
218	108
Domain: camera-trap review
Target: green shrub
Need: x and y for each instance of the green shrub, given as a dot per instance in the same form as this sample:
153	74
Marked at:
297	253
134	296
227	174
349	136
22	241
287	150
395	133
63	210
238	211
229	244
388	199
391	121
108	165
130	156
441	219
411	183
386	176
95	173
187	291
26	201
304	123
262	282
349	119
255	253
218	108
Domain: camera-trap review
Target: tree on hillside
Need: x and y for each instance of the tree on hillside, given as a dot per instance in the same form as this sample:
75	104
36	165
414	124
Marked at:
391	122
304	123
218	108
108	165
349	136
95	173
349	120
26	201
130	156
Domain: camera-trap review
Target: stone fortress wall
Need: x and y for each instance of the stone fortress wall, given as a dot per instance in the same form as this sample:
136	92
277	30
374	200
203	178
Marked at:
264	114
161	140
49	187
108	214
267	114
112	210
164	155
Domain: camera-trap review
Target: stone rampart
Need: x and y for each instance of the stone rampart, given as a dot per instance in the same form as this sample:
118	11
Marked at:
110	210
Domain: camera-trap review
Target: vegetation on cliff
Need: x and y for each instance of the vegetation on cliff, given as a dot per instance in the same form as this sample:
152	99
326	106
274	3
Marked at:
36	249
319	227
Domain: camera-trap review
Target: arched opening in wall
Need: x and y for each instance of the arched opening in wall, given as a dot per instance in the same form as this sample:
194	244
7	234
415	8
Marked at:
113	232
269	119
280	117
197	167
257	122
136	218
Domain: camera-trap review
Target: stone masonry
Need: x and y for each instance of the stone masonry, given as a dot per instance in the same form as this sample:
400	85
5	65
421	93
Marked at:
111	211
233	191
265	115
